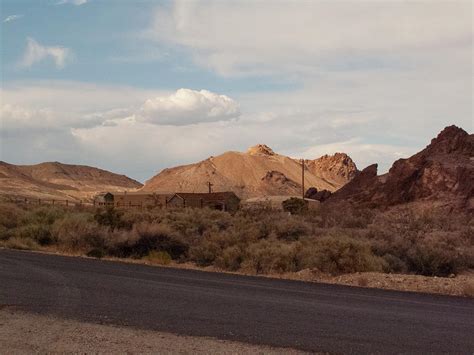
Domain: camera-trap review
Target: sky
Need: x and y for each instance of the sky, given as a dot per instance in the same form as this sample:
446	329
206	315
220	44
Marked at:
137	86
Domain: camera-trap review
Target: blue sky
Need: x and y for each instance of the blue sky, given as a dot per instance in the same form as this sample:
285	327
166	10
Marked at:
137	86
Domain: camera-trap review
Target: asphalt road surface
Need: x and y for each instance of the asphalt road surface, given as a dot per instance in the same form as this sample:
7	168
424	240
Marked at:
306	316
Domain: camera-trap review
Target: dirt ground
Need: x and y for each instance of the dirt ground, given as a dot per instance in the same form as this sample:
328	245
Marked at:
22	333
459	285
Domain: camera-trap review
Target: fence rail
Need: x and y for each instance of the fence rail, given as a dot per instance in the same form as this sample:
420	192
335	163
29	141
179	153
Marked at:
48	202
70	203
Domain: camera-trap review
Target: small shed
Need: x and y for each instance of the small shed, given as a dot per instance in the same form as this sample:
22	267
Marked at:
104	199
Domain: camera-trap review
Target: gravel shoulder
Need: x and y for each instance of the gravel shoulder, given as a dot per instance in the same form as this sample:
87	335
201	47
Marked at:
30	333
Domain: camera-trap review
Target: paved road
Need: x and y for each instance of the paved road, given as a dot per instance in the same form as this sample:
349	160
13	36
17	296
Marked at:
315	317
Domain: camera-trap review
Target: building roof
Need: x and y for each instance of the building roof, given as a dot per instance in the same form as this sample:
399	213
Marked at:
213	196
140	193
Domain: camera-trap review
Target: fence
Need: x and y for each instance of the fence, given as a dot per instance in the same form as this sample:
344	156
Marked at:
48	202
70	203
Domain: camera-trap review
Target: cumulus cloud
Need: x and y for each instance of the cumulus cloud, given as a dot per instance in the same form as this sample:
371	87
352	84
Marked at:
12	18
186	107
36	52
257	38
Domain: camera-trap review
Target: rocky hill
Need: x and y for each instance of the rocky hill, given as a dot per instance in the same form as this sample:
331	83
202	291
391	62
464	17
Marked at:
55	180
257	172
442	174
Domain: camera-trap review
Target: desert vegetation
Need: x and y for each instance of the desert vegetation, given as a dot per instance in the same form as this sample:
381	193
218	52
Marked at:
334	240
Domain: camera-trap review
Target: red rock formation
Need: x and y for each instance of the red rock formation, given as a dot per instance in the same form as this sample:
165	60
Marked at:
443	172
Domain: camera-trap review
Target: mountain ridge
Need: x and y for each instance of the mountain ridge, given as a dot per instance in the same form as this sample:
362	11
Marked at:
55	180
258	171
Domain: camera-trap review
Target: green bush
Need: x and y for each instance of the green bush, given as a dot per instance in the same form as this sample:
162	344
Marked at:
338	255
111	217
38	232
230	258
158	257
265	257
145	238
295	205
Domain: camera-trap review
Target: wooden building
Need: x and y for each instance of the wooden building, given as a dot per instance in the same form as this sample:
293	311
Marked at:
131	199
224	201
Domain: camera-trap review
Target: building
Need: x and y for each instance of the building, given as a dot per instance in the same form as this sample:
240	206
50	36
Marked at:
224	201
104	199
131	199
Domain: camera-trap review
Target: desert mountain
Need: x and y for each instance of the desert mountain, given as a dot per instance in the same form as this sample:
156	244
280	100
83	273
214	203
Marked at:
60	181
257	172
441	174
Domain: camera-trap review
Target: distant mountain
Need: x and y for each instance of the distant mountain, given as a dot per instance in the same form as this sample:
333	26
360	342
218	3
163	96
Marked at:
55	180
257	172
442	174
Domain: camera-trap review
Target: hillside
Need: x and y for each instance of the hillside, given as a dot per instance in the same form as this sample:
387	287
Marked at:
257	172
55	180
441	174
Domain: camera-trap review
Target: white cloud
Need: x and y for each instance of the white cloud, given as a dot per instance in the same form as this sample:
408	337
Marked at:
35	52
12	117
255	38
73	2
12	18
186	107
363	153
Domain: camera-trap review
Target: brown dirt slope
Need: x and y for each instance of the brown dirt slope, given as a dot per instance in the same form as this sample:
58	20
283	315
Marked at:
60	181
441	174
257	172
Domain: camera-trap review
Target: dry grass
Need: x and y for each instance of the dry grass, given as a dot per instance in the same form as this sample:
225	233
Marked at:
331	240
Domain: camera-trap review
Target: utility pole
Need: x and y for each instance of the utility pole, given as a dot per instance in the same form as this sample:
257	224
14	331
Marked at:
302	179
209	185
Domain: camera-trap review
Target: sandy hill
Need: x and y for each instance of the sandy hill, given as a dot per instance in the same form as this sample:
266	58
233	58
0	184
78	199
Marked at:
60	181
442	174
257	172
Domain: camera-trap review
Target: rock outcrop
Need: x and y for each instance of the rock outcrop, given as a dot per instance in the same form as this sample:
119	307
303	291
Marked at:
442	173
338	168
314	194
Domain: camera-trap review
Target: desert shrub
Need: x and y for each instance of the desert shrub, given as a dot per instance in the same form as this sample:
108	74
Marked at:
271	256
394	264
78	232
145	238
40	233
230	258
158	257
295	205
343	215
20	243
44	215
96	253
111	217
339	255
437	256
10	215
290	228
205	253
196	222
